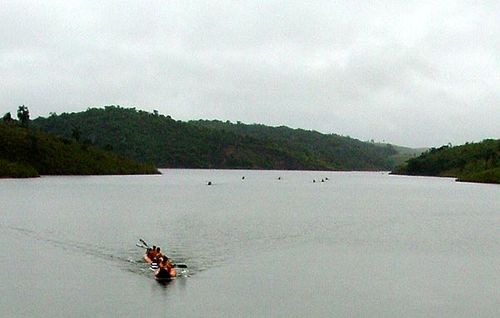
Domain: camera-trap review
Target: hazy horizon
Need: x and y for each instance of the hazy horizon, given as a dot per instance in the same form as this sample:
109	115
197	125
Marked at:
410	73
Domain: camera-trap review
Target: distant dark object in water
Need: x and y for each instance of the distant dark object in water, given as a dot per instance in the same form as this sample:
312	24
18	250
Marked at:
279	178
209	183
314	180
322	180
243	178
326	178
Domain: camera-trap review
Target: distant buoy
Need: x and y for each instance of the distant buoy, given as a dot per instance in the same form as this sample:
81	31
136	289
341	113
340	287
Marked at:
322	180
243	178
326	178
314	180
279	178
209	183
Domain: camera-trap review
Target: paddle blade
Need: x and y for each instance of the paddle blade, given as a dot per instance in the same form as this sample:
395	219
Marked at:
143	242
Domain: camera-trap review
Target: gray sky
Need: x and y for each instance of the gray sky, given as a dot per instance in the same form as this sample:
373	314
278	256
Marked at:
413	73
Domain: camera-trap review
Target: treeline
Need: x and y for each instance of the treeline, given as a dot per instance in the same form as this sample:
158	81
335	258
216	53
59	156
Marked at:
165	142
28	152
334	151
474	162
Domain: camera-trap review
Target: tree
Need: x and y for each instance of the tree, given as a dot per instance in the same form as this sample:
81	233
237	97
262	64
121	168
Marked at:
24	115
76	133
7	118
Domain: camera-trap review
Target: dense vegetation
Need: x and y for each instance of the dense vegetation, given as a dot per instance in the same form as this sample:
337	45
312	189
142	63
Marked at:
26	152
331	151
16	170
158	139
475	162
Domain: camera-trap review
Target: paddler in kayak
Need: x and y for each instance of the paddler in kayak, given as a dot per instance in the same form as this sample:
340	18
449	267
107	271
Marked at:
151	254
160	263
148	256
165	270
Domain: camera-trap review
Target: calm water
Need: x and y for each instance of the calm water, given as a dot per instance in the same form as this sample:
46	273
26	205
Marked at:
357	245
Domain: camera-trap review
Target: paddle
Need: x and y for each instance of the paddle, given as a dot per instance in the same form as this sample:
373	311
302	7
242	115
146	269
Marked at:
144	242
141	246
145	245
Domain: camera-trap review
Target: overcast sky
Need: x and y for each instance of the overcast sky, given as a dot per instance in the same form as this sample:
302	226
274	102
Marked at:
413	73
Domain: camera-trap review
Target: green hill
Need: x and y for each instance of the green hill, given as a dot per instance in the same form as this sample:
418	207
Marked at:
26	152
475	162
332	151
158	139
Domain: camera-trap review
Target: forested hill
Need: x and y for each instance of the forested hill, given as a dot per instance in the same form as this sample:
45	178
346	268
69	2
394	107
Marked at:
158	139
475	162
26	152
338	152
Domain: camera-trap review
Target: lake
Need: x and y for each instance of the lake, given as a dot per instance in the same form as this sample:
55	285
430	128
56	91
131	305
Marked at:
274	244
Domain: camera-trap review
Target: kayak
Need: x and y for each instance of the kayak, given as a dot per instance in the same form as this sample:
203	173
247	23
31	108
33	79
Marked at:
160	274
163	274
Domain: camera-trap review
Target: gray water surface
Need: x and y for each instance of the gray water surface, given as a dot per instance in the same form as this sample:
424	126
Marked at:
357	245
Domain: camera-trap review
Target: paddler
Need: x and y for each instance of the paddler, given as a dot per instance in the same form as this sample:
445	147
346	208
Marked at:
170	268
152	253
160	263
155	263
148	256
165	270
